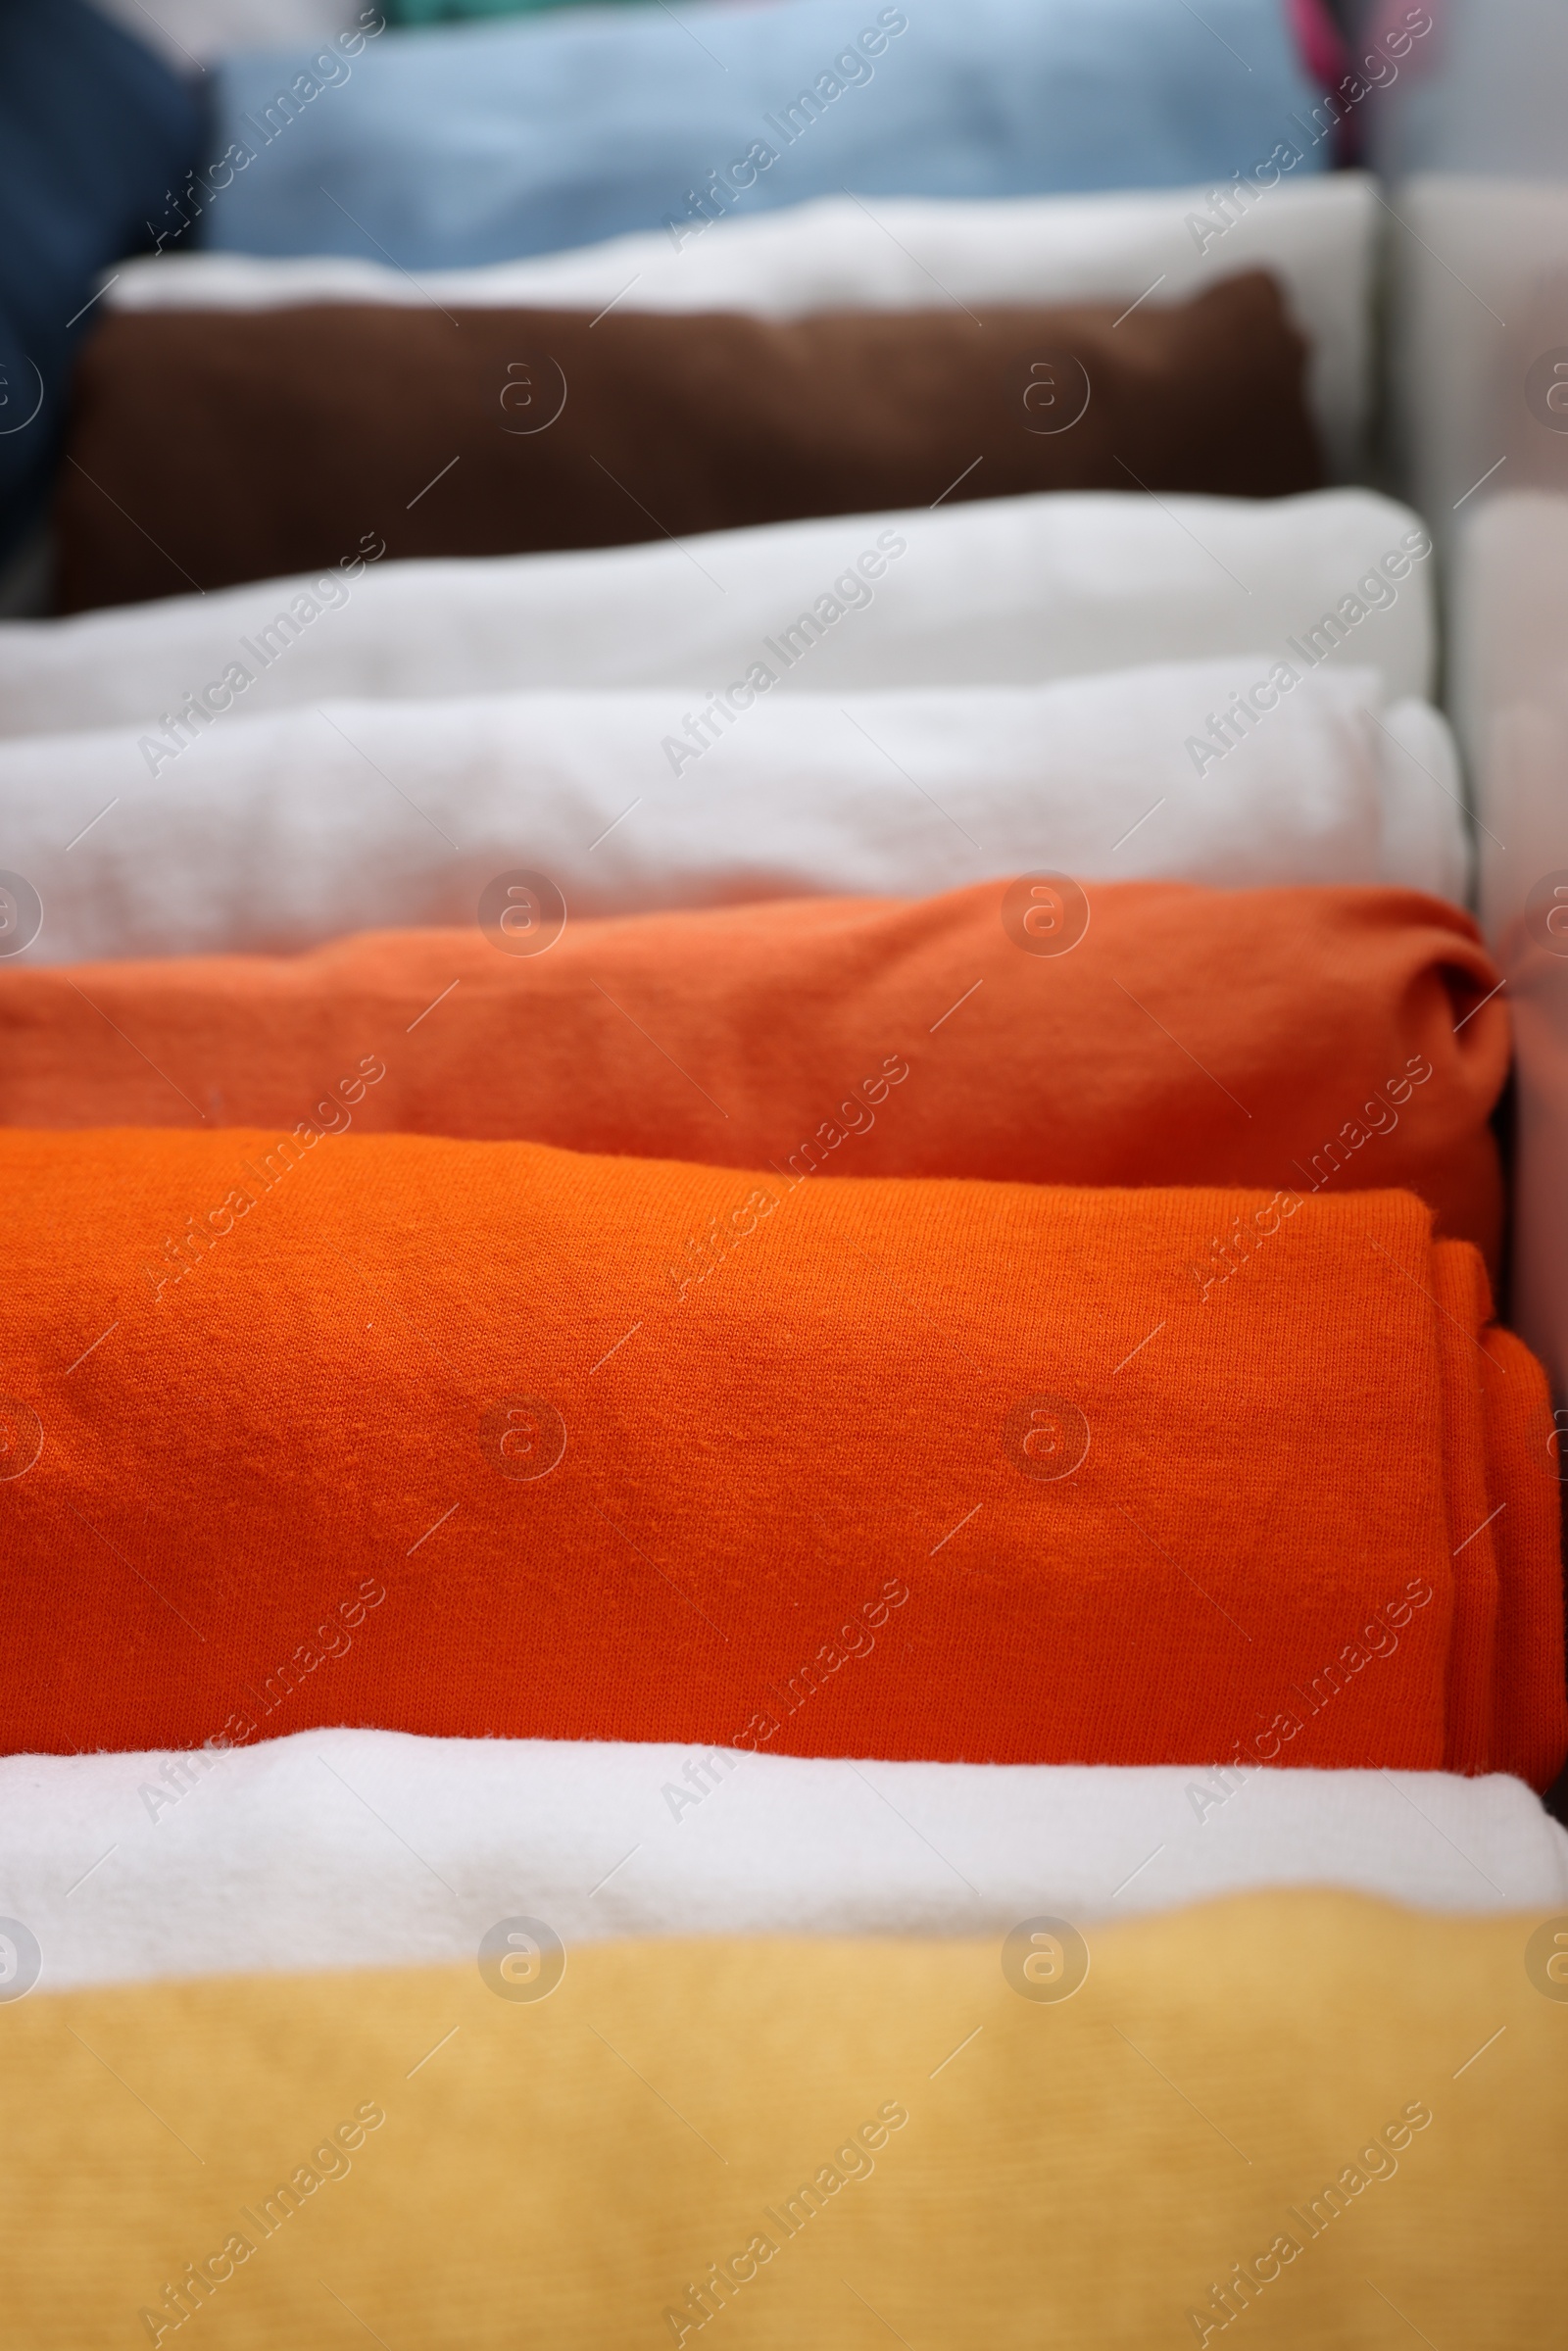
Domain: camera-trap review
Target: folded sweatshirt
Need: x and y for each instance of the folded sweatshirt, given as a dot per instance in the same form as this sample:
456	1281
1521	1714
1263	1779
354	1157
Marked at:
626	1448
279	831
860	1037
368	1848
1317	236
1295	2109
996	591
517	431
480	143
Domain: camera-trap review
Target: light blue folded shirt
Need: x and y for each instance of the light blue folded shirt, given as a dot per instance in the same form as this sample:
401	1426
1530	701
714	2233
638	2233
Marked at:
474	143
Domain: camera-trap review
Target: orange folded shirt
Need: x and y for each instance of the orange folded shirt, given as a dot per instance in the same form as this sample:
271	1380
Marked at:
1329	1040
489	1439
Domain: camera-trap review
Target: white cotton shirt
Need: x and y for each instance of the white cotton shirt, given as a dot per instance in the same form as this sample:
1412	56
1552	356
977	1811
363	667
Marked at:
375	1848
278	832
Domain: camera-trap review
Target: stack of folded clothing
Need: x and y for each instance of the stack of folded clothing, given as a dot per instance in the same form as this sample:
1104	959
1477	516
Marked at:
750	1194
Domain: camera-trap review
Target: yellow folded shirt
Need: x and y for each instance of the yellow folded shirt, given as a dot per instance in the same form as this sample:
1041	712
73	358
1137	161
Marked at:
1302	2119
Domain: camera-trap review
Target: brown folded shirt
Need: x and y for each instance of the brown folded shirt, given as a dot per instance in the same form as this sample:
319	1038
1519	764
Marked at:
217	446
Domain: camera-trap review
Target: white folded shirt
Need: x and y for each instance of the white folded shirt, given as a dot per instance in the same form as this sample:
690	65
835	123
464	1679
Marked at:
278	832
374	1848
1163	245
1006	591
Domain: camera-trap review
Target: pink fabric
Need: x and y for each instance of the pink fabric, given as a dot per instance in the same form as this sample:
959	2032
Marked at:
1319	41
1322	49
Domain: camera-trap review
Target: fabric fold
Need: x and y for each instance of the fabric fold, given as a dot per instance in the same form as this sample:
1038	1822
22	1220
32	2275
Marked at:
1006	591
520	432
870	1038
1269	2100
282	830
324	1849
449	148
1317	236
488	1438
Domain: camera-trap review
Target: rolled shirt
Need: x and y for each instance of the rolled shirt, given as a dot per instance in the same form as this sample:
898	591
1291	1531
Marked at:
1266	2100
941	1037
518	432
629	1449
320	1850
1317	236
1000	591
481	143
281	831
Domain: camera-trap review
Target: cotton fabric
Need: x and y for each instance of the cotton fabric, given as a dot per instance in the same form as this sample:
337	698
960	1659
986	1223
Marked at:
366	1849
593	1447
1315	236
1000	591
281	831
765	1034
602	2155
517	431
484	142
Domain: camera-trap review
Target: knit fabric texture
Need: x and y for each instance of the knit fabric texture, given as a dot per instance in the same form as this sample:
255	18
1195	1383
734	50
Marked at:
940	1037
1297	2108
575	1447
284	829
